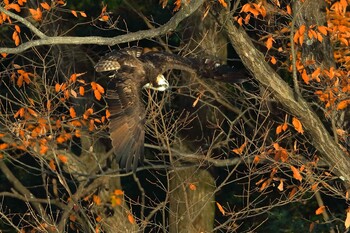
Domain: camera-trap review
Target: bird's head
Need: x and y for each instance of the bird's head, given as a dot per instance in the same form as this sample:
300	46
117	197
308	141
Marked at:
159	84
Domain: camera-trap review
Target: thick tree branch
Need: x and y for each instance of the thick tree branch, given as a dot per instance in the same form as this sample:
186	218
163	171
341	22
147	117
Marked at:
171	25
255	62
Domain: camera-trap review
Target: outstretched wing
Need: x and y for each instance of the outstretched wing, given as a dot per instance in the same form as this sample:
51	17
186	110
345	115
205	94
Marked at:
163	61
126	125
160	62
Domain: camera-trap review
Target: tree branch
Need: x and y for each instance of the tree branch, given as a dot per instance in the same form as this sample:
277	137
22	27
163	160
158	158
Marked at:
255	62
171	25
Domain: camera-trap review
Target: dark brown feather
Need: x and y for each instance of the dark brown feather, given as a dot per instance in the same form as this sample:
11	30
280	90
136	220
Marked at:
126	125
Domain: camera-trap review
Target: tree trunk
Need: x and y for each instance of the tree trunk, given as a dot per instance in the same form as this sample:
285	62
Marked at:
321	139
194	210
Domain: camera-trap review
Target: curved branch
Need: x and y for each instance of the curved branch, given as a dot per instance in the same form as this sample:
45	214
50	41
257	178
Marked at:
171	25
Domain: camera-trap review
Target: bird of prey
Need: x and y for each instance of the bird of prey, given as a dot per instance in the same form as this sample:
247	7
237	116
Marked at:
133	71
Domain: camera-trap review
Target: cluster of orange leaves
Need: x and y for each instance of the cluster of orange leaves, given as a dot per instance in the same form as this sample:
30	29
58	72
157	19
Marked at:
336	95
39	127
36	14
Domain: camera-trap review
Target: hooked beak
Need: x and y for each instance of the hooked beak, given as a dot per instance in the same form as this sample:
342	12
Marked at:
160	84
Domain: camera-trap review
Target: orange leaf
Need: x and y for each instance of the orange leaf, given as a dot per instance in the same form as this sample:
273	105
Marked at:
314	186
74	13
87	113
273	60
296	173
223	3
280	186
14	7
297	125
319	37
292	193
57	87
284	126
301	39
60	139
73	78
62	158
4	55
322	29
296	37
320	210
83	14
192	187
97	95
118	192
246	19
131	218
4	146
72	112
36	14
96	199
100	88
116	201
343	104
240	149
81	91
45	5
108	113
347	220
221	209
240	21
289	10
32	112
269	42
93	85
98	218
21	2
279	129
256	159
104	18
52	165
17	28
43	149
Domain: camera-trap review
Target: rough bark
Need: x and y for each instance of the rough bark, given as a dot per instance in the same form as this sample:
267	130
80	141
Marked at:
321	139
194	210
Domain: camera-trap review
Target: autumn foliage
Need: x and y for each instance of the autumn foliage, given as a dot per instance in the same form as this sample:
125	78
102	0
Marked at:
49	109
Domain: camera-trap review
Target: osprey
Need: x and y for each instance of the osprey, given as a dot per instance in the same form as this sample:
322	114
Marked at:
133	71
